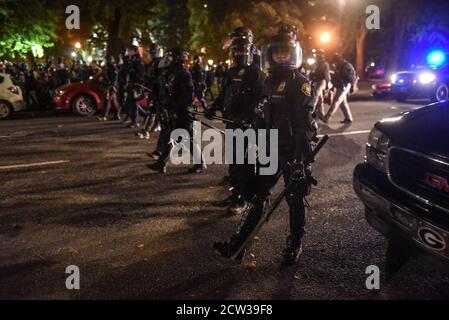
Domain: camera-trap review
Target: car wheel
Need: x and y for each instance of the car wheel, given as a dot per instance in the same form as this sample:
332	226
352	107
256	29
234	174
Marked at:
84	105
401	97
397	255
379	96
6	109
441	93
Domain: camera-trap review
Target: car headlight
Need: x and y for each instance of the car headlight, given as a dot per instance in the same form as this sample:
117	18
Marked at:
427	77
393	78
60	93
376	149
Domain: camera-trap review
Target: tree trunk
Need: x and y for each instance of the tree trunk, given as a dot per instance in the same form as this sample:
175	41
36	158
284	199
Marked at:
360	50
396	45
113	33
30	60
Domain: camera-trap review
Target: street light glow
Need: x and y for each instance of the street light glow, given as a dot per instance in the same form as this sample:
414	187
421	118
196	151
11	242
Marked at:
325	37
78	45
310	61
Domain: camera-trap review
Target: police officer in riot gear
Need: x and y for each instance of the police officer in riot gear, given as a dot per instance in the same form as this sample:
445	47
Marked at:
176	96
289	110
288	29
151	81
239	33
135	73
345	80
199	81
237	100
321	78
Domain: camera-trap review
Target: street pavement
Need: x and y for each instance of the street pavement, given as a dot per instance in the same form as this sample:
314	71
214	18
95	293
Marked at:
75	191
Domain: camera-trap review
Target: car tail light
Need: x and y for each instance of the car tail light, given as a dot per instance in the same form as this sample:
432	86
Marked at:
14	89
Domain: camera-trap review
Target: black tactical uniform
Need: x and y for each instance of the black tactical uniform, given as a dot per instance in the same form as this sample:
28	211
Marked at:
199	81
288	110
176	95
135	73
240	94
152	82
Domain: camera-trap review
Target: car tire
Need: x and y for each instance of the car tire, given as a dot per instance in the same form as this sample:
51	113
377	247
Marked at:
401	97
6	109
379	96
441	92
84	105
397	255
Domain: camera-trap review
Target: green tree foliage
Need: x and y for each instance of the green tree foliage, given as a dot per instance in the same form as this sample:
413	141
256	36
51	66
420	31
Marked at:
26	27
264	17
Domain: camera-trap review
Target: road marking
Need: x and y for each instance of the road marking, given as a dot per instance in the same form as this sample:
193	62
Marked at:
15	134
348	133
29	165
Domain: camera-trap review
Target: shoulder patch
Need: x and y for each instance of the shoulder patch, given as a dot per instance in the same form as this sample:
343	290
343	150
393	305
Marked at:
306	88
281	87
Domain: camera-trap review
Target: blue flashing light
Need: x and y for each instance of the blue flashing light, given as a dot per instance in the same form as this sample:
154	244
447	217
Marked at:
436	58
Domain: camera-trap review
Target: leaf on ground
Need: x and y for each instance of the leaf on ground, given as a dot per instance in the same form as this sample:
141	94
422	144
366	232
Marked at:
250	265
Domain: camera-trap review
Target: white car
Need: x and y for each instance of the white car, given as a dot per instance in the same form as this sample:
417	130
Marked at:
11	99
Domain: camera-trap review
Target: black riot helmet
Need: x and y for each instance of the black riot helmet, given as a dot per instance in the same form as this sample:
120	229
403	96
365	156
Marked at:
132	50
242	32
196	59
283	53
239	33
291	30
336	59
178	55
319	54
155	51
241	52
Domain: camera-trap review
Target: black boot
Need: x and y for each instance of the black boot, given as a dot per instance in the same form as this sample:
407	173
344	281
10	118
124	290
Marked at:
198	168
225	249
229	201
292	252
238	207
155	155
157	166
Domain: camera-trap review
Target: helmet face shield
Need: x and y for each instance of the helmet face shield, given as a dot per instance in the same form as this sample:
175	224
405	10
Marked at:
239	33
241	52
284	53
178	55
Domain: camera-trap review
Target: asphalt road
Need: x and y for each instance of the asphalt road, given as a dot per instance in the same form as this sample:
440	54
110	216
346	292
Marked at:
75	191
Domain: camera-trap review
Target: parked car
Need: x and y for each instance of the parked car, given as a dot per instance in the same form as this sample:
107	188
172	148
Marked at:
404	181
11	99
421	82
381	89
84	98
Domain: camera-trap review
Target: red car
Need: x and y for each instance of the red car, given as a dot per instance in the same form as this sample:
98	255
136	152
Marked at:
381	89
83	98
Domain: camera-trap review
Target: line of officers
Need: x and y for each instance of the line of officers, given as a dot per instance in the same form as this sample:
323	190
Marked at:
291	103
